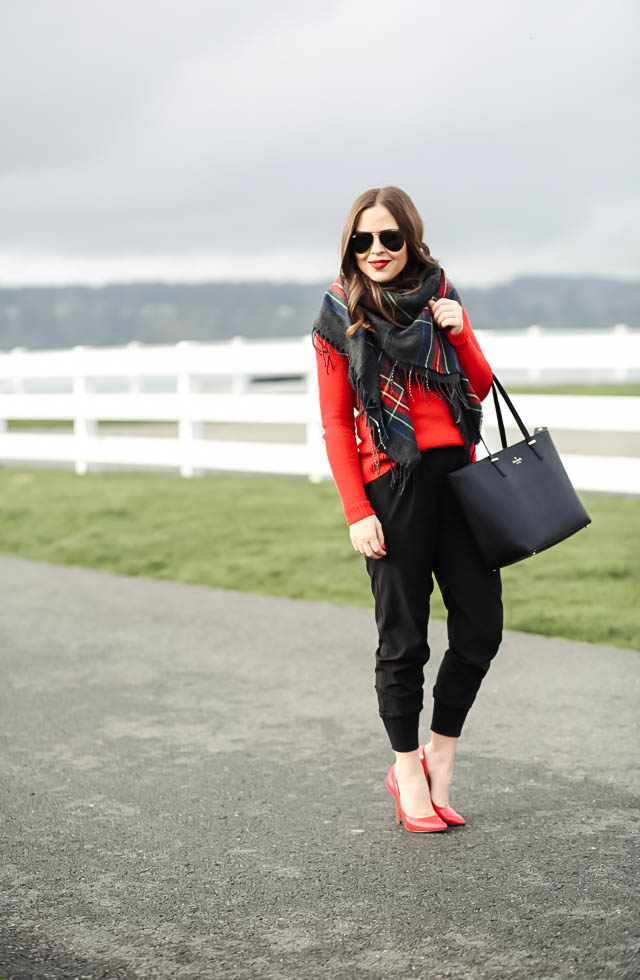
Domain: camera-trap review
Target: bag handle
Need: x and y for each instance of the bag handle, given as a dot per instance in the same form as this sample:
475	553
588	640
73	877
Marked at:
495	387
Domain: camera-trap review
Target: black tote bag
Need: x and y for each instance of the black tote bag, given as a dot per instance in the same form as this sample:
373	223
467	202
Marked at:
518	501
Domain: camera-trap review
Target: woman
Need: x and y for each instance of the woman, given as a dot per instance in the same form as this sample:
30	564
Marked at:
394	343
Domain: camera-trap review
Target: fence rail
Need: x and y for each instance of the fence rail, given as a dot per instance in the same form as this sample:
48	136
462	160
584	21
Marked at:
66	385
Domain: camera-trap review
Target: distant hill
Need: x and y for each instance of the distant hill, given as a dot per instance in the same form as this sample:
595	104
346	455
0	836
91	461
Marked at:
157	312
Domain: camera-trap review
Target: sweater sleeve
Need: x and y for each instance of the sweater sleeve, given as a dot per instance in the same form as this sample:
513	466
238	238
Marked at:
337	402
472	360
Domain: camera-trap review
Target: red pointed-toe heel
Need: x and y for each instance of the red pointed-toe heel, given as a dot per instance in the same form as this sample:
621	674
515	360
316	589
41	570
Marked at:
421	825
446	813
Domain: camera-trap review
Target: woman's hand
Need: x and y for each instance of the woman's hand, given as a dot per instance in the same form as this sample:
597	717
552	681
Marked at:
447	314
367	537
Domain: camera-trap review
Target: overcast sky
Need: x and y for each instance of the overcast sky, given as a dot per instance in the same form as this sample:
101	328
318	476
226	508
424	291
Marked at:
207	140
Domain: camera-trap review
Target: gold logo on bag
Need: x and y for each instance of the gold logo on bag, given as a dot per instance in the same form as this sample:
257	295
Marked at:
516	460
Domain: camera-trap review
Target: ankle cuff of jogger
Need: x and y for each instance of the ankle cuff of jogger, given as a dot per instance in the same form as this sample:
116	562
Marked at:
447	719
403	731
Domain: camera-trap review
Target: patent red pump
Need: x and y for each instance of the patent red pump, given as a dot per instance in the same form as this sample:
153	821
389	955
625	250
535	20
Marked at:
421	825
447	813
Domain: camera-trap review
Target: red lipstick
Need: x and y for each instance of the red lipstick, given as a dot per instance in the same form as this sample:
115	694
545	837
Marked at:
380	264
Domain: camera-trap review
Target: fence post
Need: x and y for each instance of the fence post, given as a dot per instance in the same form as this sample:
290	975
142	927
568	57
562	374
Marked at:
239	381
189	430
533	333
621	369
133	379
84	428
17	382
315	441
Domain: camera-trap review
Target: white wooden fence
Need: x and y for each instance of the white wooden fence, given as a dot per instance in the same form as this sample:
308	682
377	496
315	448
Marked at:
236	368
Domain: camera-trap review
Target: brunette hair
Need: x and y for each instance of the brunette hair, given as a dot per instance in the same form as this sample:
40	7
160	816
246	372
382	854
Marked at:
359	285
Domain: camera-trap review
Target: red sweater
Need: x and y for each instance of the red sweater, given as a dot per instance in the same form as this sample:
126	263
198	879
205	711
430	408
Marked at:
353	463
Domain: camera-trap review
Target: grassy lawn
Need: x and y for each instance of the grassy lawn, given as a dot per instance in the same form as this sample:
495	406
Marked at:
287	537
627	388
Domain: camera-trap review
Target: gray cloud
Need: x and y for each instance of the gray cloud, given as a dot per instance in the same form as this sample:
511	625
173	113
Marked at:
207	139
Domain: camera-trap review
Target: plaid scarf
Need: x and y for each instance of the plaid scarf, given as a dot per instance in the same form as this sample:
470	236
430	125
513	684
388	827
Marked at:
383	362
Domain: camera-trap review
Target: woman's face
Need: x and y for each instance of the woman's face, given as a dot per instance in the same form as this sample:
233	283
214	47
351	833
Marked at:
379	263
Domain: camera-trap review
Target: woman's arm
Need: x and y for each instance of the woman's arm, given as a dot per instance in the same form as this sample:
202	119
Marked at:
472	360
338	430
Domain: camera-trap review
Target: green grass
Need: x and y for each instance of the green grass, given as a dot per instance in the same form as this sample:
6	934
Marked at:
626	388
287	537
64	425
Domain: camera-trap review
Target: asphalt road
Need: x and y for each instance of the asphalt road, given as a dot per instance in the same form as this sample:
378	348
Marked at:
193	787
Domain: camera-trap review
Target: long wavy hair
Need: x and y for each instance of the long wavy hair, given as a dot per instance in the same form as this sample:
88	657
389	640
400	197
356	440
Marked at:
360	287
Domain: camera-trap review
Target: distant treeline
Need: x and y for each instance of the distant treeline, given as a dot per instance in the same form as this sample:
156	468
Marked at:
156	312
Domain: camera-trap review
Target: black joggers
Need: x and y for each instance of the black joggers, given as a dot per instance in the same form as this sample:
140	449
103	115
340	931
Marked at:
425	532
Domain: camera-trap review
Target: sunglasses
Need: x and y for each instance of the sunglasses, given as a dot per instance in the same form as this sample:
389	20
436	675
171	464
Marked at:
363	240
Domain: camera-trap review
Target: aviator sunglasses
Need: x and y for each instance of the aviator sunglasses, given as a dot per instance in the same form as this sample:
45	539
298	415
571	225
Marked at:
363	240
